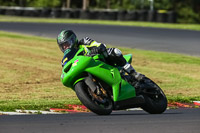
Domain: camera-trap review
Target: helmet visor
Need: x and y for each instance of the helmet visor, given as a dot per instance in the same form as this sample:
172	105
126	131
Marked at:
67	44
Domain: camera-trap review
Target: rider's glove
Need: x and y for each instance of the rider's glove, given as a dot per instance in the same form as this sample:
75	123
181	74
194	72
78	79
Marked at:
98	50
95	50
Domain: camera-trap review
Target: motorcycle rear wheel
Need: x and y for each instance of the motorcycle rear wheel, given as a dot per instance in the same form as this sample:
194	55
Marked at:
83	92
154	103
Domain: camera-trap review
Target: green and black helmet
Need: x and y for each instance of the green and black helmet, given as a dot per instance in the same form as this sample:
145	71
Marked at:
67	37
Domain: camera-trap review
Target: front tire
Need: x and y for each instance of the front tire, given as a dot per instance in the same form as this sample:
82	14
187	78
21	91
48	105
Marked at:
155	99
85	95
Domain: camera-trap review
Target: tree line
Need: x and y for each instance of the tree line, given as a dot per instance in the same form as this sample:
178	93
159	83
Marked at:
188	11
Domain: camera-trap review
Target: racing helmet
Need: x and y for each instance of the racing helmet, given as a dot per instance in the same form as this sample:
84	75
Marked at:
67	39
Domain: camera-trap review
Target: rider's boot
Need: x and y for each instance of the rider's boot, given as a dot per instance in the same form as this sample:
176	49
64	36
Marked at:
131	71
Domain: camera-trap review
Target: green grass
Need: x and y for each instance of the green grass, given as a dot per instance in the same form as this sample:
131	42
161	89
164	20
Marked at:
30	69
104	22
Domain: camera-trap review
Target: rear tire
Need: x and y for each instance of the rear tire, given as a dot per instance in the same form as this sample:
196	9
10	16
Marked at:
154	104
84	95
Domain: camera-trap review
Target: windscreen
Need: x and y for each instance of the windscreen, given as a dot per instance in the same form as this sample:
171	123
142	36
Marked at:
68	55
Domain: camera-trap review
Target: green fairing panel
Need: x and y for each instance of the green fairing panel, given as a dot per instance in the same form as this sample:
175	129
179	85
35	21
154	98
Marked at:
125	91
121	89
128	58
105	72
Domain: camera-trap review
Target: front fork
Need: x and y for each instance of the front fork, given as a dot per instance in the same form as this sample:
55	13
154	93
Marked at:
90	83
96	90
94	85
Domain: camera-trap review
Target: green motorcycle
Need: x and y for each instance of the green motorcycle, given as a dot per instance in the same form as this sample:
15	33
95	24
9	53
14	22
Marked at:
103	88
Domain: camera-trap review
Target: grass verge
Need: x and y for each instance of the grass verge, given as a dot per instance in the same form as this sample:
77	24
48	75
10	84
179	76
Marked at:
102	22
30	73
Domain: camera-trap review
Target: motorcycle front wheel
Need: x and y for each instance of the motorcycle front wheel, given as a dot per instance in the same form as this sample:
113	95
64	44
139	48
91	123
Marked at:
155	99
101	105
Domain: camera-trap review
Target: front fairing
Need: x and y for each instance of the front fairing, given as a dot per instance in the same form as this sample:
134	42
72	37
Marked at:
71	71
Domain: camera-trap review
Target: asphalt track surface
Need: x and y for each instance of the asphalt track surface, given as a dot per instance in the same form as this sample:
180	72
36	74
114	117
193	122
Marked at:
158	39
171	121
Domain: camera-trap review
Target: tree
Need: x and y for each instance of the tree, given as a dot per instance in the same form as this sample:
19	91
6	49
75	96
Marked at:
44	3
85	4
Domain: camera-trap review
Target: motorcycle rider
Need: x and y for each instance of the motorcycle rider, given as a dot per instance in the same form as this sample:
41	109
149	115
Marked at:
69	45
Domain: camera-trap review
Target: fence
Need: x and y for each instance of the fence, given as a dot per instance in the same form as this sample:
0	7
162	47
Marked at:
136	15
